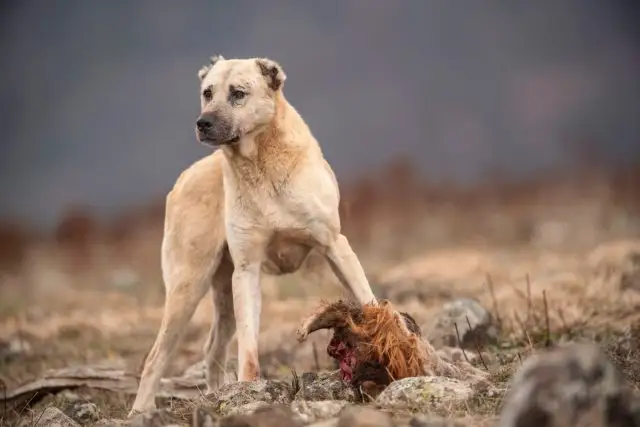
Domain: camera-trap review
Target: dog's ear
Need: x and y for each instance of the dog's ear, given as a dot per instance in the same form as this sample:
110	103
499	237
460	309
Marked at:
272	72
202	72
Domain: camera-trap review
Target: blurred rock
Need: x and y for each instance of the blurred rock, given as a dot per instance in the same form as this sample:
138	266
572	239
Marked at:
571	385
325	386
157	418
428	421
54	417
271	416
84	412
247	408
361	416
423	393
14	348
311	412
111	422
482	330
203	417
230	397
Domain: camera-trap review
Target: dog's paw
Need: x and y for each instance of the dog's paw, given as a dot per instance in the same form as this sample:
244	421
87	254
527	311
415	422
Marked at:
302	333
133	413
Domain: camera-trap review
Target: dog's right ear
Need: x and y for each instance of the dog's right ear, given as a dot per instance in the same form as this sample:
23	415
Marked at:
202	73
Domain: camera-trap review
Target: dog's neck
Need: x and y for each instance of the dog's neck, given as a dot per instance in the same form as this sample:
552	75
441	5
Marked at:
276	150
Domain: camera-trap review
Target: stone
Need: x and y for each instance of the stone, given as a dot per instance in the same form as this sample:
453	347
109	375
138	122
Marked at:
423	393
333	422
272	416
428	421
228	398
247	408
314	411
54	417
361	416
203	418
480	330
111	422
84	412
571	385
156	418
325	386
14	348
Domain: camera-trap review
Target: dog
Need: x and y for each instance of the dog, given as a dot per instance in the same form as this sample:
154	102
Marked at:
259	204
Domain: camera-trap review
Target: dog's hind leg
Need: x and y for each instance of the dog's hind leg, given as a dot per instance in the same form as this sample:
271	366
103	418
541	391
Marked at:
223	328
185	288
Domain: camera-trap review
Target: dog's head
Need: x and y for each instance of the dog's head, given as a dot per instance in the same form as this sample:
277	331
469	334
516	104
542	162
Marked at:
238	97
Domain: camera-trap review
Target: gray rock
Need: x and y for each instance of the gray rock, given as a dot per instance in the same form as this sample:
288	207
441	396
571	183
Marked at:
54	417
483	331
571	385
14	348
84	412
361	416
111	422
428	421
272	416
325	386
311	412
423	393
157	418
230	397
333	422
247	408
202	417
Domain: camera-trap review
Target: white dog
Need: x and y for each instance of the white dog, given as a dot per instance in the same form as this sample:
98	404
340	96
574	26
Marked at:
260	203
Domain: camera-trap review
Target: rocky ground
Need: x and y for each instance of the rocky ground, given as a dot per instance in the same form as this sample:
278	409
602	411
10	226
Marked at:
557	334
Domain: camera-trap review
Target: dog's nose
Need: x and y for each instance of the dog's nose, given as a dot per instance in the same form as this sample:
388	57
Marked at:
204	124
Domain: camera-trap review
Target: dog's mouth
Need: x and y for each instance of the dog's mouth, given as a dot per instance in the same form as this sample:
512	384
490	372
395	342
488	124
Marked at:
216	142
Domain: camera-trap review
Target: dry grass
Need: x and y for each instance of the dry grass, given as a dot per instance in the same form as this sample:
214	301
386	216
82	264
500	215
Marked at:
545	256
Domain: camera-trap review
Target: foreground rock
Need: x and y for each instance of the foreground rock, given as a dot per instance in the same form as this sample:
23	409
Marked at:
54	417
364	417
572	385
423	393
479	330
84	412
325	386
272	416
232	398
311	412
157	418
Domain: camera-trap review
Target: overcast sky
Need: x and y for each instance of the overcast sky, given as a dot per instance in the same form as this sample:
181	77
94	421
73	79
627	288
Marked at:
99	97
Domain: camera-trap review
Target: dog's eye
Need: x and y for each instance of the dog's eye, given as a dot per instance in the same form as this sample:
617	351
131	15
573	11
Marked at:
207	94
238	94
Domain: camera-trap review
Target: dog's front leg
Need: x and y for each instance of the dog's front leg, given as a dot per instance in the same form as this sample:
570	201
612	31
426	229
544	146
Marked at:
346	266
247	247
247	301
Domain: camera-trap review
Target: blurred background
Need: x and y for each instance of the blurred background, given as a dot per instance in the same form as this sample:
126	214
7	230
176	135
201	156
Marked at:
530	112
450	102
449	124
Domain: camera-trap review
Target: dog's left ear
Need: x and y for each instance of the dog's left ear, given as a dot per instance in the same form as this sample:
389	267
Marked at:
204	70
272	71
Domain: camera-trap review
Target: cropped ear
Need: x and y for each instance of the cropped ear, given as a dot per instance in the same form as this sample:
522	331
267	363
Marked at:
273	73
202	72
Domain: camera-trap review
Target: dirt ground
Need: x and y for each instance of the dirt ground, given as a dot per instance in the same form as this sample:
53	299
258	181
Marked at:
102	302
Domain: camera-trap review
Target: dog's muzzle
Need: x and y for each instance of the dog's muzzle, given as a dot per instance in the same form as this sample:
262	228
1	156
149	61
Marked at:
213	130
